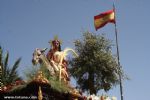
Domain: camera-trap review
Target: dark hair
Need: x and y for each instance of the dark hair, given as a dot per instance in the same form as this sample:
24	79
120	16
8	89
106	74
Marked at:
59	49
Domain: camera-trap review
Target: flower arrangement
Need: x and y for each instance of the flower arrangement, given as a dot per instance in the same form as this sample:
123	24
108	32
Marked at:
103	97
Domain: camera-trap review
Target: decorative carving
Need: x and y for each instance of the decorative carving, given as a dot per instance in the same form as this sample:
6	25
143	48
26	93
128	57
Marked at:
40	96
40	78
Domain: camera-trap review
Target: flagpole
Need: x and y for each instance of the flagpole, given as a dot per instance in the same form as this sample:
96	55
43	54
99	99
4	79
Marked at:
118	58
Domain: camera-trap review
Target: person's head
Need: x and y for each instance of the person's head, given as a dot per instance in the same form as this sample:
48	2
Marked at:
56	44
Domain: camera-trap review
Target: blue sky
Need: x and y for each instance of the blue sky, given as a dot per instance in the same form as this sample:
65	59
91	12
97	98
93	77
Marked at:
29	24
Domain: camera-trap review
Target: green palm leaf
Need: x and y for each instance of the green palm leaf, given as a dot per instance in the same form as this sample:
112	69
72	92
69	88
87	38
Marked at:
15	66
5	65
1	57
8	75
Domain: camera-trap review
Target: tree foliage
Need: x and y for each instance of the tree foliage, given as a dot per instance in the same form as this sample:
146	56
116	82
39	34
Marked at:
8	74
95	68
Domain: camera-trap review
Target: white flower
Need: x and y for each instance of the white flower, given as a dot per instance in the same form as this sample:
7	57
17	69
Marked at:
107	98
114	98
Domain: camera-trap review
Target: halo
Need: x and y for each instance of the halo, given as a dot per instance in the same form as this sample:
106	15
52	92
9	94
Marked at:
55	38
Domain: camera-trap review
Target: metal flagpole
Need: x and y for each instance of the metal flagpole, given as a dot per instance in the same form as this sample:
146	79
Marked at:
117	47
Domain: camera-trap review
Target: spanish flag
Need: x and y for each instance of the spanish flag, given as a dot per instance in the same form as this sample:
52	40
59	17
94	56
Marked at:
104	18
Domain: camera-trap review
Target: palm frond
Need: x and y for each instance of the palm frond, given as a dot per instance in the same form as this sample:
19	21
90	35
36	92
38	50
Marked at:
5	66
6	59
1	56
15	66
8	75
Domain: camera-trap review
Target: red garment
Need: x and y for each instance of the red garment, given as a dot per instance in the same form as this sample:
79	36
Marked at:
51	57
50	54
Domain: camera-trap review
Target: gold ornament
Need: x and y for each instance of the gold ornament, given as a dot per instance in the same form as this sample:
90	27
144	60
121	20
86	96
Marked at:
40	96
40	78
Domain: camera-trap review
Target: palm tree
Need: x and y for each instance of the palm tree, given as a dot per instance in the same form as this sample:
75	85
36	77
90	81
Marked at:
8	74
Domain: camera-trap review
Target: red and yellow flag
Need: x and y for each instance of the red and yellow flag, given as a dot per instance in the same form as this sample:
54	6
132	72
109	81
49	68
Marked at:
104	18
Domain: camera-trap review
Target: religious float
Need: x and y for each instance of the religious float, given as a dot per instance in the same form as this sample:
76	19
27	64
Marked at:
51	81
